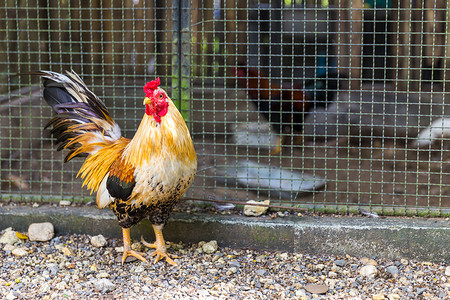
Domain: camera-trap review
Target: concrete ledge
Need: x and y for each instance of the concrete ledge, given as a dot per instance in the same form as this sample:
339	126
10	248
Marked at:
394	238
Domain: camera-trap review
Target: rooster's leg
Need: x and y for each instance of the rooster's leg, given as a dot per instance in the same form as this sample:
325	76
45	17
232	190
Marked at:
127	247
160	246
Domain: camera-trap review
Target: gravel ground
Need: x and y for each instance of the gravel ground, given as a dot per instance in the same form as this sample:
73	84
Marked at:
71	267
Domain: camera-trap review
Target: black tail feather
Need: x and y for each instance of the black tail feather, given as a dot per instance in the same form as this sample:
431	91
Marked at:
79	112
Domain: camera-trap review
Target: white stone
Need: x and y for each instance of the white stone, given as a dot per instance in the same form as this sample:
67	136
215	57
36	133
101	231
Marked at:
61	286
447	271
9	247
19	252
301	294
103	275
368	261
320	266
369	271
104	285
332	274
45	288
9	237
41	232
255	210
98	241
64	203
210	247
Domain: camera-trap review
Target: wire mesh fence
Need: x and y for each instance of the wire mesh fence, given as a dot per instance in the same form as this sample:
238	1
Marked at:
331	105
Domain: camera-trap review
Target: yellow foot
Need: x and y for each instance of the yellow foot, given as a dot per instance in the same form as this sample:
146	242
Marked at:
160	252
127	247
136	254
160	246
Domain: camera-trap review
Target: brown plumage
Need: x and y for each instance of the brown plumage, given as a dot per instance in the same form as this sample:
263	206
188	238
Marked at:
139	178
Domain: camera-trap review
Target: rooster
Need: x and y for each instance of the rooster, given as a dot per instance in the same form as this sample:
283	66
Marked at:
285	106
139	178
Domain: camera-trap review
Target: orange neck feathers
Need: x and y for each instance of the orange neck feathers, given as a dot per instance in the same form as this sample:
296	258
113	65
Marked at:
168	138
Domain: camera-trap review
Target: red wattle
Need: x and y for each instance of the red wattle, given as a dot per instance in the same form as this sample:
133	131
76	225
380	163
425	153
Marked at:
163	111
147	110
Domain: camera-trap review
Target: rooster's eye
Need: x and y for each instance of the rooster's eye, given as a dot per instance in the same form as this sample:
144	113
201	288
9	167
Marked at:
160	96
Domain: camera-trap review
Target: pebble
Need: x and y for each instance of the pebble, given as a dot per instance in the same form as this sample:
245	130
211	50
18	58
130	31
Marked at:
9	237
19	251
316	288
10	296
137	247
9	247
104	285
53	269
98	241
255	210
103	275
260	272
420	291
229	273
393	270
447	271
368	261
320	266
64	203
234	263
369	271
61	286
378	297
210	247
41	232
67	251
301	294
340	262
332	274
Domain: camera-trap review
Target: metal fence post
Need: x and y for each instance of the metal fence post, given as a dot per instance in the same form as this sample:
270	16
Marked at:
180	56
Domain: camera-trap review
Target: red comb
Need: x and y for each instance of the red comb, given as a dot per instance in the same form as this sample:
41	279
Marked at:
151	86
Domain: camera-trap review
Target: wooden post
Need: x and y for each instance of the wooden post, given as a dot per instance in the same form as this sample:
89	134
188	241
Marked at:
342	37
446	78
230	35
129	53
356	32
75	30
164	37
107	21
207	37
404	45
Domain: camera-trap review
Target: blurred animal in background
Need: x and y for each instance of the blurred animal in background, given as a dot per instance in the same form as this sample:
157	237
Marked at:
285	106
139	178
438	131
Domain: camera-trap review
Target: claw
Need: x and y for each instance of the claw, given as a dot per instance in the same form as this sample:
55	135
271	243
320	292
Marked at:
136	254
147	244
160	247
127	248
160	255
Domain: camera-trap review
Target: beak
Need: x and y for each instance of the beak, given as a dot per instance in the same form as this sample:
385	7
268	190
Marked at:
147	100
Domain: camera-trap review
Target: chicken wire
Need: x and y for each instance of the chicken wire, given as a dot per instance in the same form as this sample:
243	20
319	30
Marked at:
359	151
